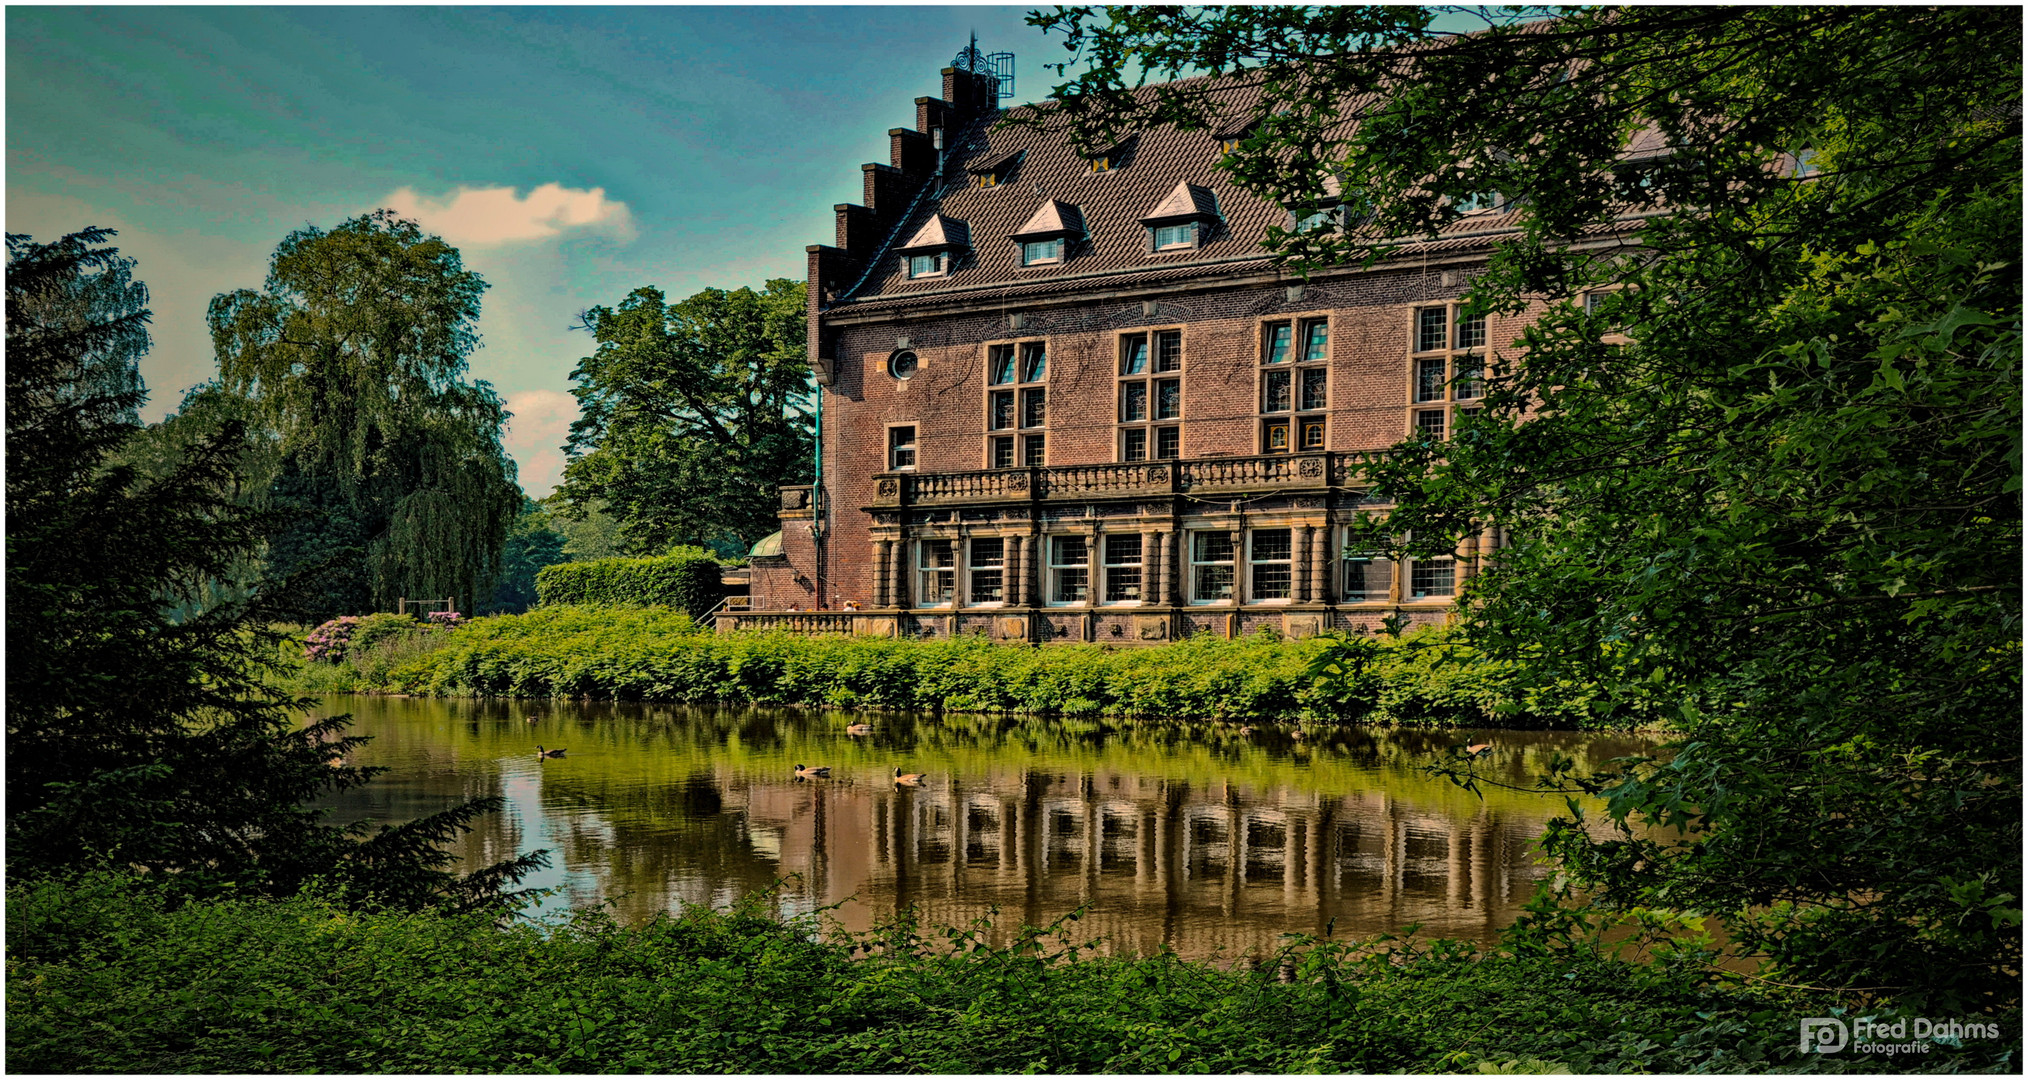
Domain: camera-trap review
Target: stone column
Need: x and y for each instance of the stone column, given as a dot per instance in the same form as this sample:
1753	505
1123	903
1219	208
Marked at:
1299	563
1095	569
1320	565
883	569
961	572
1150	565
1017	580
898	584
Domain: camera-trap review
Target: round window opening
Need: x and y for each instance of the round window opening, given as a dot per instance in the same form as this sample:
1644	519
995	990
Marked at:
902	364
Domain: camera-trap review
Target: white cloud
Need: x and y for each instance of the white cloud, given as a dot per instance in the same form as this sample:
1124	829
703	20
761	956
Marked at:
498	215
535	437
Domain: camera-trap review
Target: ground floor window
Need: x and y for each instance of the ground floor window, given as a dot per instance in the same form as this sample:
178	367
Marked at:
1368	575
1269	558
1123	569
936	572
1210	567
1431	578
1069	569
988	570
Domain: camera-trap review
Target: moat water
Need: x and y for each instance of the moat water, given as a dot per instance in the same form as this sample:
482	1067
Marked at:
1211	840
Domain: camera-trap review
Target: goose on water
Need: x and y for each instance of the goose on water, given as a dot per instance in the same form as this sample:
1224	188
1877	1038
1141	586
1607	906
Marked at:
913	779
540	753
859	729
809	771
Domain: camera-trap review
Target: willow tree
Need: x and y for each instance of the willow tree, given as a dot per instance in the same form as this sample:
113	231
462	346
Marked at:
354	353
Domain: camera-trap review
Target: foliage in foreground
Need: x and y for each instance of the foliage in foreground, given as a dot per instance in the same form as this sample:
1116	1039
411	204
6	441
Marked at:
1764	454
142	729
103	978
655	654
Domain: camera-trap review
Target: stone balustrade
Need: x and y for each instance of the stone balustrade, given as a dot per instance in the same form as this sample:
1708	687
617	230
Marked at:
1125	479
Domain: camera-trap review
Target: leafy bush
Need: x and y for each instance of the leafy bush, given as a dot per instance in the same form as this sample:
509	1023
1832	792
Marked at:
635	655
686	579
103	977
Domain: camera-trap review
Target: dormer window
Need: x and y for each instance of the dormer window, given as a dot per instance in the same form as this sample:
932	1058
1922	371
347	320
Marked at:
995	172
1316	219
1039	252
935	248
1185	219
1048	237
1477	201
1102	163
1229	145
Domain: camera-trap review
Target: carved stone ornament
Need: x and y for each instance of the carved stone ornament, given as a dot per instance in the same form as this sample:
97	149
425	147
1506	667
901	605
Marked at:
1017	482
1158	474
889	487
1310	468
1309	502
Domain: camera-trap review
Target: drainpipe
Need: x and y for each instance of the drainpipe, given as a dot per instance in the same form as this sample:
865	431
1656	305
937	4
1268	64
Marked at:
817	499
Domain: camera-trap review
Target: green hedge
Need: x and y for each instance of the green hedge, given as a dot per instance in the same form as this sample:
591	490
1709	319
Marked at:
687	579
102	978
626	654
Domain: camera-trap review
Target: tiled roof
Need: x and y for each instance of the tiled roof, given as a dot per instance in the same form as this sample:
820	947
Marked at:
1153	167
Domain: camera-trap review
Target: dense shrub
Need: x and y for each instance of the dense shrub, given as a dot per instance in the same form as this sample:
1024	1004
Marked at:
646	654
103	978
686	579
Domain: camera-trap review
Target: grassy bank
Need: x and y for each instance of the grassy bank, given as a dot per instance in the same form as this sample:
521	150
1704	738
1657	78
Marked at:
102	979
655	654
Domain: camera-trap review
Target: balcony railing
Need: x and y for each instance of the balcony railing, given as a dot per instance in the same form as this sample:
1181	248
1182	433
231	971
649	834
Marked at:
796	622
1128	479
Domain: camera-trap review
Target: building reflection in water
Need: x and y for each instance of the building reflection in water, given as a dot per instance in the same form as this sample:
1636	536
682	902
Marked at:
1201	868
1209	843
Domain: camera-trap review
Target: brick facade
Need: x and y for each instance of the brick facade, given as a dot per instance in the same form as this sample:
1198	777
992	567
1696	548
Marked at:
864	543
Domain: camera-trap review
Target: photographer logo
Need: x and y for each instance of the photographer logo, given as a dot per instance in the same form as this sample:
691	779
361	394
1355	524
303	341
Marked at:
1824	1034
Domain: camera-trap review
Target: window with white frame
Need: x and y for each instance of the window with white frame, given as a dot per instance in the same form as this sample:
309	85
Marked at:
1367	574
1432	578
1269	565
1069	569
1294	384
933	265
1173	237
936	572
901	447
1144	403
1123	568
1210	567
1042	252
988	570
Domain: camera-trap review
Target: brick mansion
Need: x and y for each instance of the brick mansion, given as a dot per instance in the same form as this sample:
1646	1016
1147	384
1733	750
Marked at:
1067	395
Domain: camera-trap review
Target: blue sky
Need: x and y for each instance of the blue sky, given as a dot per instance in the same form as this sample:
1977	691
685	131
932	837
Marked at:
573	154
